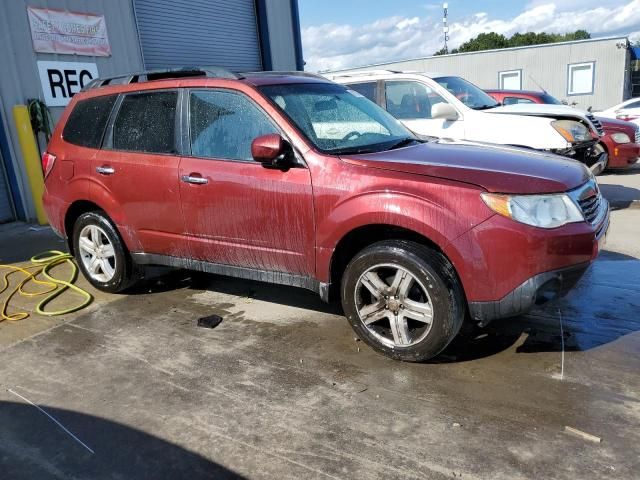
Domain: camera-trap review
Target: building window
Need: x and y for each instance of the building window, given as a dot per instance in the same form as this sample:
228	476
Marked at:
581	78
510	80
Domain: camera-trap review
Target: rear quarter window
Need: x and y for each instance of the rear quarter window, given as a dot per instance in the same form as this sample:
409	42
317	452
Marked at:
88	120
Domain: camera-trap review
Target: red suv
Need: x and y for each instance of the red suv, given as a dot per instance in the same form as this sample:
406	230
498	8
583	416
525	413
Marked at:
292	179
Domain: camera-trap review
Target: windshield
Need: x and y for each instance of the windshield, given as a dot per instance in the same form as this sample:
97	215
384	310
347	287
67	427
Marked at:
550	100
467	93
338	120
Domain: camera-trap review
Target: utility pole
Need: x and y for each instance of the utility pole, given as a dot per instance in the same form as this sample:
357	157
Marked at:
445	27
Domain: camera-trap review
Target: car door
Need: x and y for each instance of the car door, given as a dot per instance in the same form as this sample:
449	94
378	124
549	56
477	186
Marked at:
135	175
236	211
411	102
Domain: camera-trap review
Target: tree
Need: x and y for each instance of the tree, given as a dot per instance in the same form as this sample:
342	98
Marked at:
492	40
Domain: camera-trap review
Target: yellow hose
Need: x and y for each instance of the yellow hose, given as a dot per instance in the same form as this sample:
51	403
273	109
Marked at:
42	264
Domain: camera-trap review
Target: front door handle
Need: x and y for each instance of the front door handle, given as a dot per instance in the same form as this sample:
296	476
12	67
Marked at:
105	170
194	180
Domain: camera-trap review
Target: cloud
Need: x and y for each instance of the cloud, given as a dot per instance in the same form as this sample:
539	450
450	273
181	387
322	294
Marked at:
334	46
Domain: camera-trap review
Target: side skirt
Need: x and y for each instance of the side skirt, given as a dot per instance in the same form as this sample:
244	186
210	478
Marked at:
279	278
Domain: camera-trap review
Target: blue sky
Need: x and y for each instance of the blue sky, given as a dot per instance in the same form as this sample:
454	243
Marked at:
346	33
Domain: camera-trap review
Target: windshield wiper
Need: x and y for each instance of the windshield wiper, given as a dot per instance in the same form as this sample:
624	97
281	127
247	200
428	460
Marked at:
404	142
485	107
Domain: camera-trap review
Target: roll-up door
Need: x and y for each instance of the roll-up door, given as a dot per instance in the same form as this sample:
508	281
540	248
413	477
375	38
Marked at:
175	33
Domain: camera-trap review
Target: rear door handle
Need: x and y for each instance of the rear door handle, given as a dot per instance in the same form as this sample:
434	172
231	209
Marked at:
194	180
105	170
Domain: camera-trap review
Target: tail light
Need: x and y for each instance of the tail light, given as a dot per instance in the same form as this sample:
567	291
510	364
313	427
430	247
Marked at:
48	159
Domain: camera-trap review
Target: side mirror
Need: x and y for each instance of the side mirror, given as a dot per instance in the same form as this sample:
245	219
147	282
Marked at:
444	111
271	150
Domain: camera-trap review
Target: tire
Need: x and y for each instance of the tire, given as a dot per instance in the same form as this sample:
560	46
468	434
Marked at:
114	270
434	286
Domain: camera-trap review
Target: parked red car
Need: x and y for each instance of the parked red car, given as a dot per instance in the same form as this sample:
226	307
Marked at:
621	139
292	179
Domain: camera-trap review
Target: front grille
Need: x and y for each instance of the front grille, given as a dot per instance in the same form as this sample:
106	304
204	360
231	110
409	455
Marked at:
596	123
590	207
637	139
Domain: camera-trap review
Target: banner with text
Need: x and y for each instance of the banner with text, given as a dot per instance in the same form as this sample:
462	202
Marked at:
58	31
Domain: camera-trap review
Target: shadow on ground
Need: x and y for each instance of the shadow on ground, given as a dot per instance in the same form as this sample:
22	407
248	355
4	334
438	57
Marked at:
33	446
619	196
602	308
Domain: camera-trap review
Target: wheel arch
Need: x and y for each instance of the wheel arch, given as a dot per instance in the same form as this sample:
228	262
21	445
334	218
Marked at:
365	235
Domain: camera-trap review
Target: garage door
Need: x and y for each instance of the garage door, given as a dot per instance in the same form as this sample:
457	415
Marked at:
6	212
175	33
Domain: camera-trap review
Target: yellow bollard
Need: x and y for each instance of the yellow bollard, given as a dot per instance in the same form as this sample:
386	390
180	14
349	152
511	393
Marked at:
31	159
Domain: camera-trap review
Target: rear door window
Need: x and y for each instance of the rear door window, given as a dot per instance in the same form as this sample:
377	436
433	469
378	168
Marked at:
223	124
86	123
146	122
367	89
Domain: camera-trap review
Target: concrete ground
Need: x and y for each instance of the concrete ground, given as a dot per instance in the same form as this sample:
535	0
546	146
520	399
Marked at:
281	389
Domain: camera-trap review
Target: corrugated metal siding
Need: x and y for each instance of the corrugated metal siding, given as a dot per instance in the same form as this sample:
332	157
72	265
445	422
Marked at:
547	64
175	33
20	80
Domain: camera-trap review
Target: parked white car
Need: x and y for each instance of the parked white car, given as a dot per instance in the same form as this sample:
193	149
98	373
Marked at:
447	106
628	110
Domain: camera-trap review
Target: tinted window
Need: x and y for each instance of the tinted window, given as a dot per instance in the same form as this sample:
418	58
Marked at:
146	123
223	125
368	89
88	120
410	100
514	100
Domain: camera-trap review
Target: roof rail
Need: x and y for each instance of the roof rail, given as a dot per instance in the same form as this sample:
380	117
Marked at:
150	75
362	73
290	73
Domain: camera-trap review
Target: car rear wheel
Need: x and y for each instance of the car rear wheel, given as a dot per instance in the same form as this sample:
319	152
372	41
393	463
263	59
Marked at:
102	255
403	299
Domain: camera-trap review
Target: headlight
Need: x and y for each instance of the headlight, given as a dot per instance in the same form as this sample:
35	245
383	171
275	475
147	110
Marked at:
621	138
544	211
572	131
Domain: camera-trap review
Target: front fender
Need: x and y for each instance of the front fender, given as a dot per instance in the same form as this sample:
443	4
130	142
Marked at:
437	219
523	130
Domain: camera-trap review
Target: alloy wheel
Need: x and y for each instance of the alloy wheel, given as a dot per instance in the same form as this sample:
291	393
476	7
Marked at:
393	305
97	253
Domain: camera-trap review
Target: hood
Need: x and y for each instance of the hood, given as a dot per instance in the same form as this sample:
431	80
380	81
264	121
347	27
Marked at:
492	167
545	110
612	125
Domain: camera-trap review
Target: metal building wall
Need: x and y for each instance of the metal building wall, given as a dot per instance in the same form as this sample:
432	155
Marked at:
285	49
547	64
20	80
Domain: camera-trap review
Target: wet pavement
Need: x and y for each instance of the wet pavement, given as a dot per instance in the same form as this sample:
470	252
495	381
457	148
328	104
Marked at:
281	388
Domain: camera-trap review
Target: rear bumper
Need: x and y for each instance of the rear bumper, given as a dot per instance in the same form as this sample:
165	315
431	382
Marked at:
537	290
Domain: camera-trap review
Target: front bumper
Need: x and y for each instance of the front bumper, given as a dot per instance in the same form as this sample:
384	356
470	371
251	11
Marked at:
508	268
623	155
537	290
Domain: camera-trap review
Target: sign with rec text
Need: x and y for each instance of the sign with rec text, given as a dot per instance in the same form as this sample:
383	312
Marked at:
61	80
59	31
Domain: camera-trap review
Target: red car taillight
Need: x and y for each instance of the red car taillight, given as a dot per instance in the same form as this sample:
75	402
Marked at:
48	160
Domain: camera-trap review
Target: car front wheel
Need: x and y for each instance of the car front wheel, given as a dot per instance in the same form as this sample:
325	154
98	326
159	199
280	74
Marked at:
403	299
